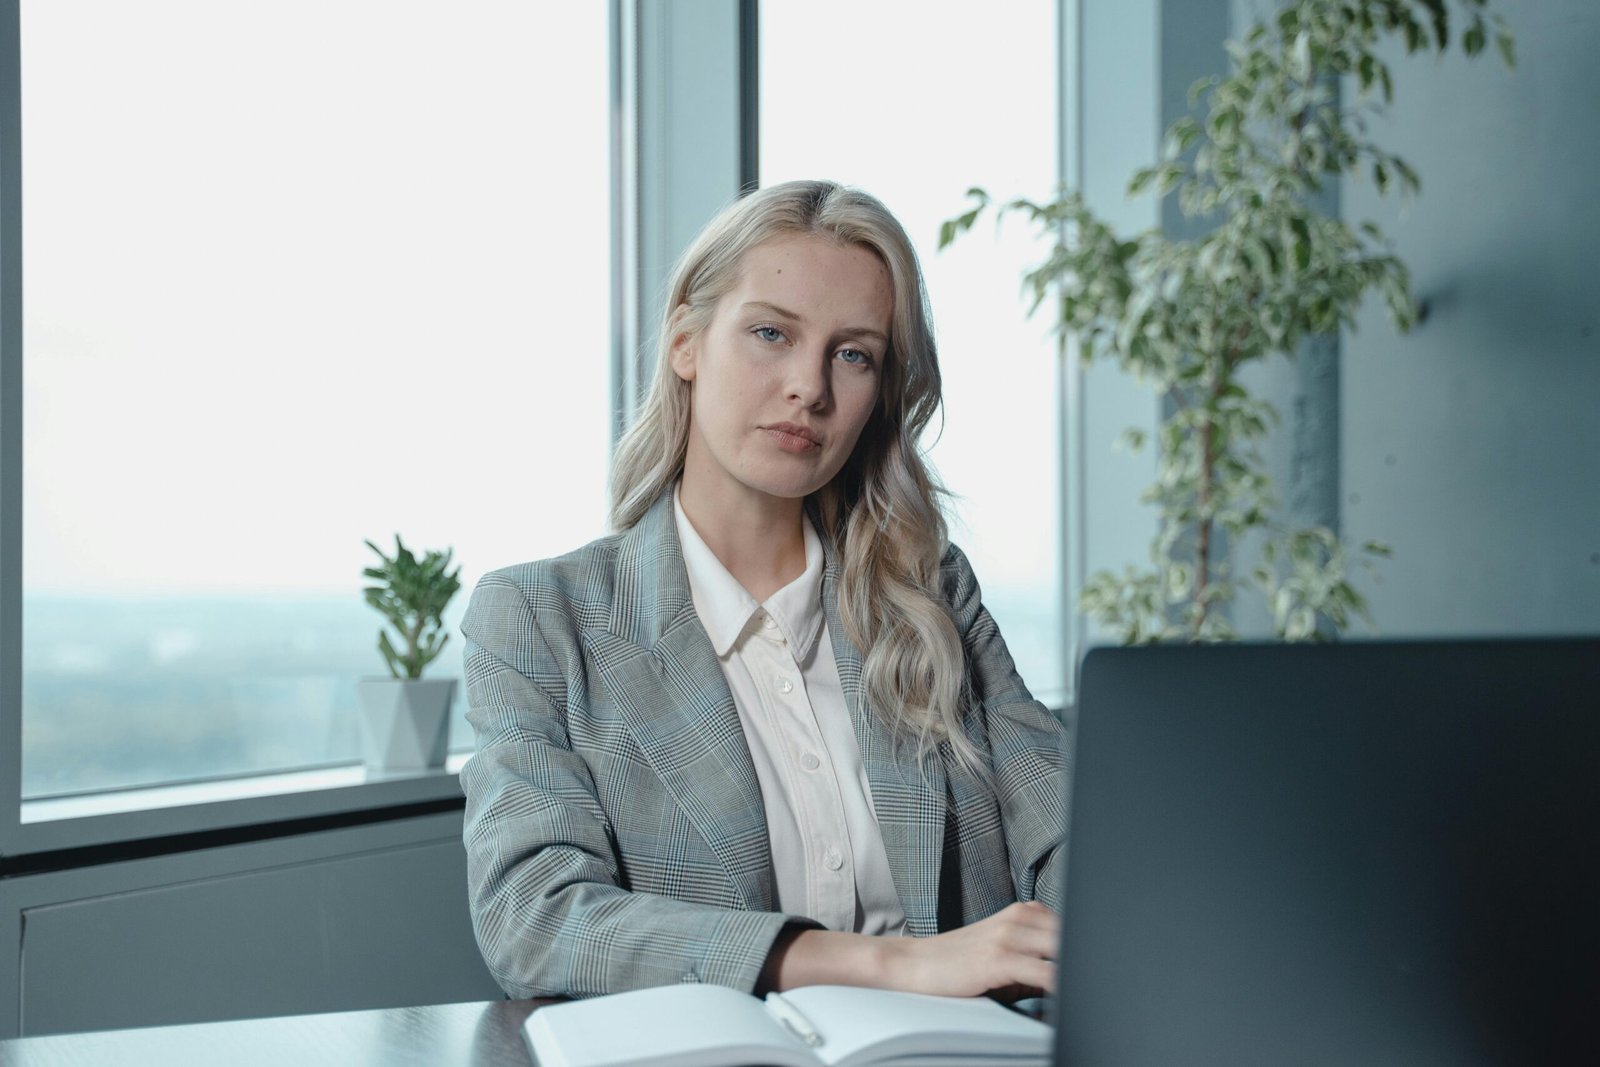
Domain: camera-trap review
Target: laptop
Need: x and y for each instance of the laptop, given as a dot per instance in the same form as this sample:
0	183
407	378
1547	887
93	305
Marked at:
1360	853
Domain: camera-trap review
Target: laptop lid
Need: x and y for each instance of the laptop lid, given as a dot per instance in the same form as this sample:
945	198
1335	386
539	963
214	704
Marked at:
1365	853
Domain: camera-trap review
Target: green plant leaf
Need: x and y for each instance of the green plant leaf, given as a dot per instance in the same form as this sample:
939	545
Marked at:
1180	136
390	657
1508	48
1301	56
1441	21
1414	35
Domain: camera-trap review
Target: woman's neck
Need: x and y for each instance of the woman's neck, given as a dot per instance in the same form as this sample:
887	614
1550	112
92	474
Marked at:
756	537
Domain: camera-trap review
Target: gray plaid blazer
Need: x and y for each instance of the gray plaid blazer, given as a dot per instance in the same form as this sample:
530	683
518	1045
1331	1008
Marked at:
614	829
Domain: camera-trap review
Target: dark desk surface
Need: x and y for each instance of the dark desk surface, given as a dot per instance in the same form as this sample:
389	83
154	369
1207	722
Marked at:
481	1035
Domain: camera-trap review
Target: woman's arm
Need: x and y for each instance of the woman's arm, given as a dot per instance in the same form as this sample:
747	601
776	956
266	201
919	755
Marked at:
545	881
1011	955
1028	747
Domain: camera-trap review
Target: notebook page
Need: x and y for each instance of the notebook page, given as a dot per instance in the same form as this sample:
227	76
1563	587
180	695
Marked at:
866	1025
666	1026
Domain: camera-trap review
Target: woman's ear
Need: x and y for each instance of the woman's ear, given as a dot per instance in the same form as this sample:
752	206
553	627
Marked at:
683	344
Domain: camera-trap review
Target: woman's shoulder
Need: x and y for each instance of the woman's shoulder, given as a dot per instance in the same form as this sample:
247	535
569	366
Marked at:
954	559
955	570
584	574
959	586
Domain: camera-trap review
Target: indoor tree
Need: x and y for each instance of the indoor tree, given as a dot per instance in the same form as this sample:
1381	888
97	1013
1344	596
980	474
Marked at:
1272	270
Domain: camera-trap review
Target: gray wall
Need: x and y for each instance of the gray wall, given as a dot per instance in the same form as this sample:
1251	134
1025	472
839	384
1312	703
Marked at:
1472	445
370	916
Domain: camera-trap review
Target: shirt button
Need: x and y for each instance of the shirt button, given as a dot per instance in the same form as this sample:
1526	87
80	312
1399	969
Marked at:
768	621
810	761
784	685
832	860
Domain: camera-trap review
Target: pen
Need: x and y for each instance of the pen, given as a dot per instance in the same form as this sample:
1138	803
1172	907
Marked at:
790	1016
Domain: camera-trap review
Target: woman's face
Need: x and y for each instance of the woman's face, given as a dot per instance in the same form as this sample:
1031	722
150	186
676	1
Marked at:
786	374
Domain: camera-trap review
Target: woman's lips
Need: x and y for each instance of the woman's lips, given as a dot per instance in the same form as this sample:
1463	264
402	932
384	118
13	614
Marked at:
790	442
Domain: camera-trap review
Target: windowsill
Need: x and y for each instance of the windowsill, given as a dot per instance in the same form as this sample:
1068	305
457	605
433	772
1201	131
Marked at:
261	785
159	811
89	819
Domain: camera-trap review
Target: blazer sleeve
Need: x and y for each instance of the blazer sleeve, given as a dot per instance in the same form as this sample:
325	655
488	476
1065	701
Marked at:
549	907
1028	747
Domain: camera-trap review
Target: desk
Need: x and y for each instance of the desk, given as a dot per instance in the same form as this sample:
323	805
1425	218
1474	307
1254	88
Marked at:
485	1034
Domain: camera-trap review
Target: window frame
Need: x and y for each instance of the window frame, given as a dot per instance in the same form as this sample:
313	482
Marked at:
13	838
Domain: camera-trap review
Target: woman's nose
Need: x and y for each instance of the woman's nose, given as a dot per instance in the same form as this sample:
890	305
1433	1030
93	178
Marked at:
808	380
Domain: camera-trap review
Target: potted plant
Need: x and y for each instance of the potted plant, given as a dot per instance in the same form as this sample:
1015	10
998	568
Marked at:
405	720
1272	272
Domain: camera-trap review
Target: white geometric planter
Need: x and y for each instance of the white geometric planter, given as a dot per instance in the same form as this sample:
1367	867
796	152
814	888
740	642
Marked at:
405	722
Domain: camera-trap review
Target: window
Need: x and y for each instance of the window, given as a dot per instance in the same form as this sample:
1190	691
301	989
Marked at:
915	103
295	275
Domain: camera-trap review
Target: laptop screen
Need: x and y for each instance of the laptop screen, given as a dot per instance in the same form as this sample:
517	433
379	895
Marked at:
1362	853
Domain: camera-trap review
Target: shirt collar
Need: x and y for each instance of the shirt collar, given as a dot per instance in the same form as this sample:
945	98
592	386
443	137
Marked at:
726	609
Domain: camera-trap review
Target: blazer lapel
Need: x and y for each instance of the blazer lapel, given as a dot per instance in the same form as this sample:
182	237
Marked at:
661	668
907	797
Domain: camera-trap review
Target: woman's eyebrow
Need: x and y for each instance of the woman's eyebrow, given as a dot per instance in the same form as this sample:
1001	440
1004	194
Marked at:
785	313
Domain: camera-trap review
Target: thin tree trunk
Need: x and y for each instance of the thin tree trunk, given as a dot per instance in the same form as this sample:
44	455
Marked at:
1208	472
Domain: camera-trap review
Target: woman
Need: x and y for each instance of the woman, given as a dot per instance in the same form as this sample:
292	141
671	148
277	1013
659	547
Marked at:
768	722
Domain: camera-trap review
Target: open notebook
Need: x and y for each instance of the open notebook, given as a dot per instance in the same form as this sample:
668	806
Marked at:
840	1026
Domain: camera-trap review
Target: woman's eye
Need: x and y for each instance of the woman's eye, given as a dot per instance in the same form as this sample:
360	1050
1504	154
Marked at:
855	357
769	333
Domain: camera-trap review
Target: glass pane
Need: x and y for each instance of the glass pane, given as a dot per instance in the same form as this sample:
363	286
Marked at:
297	274
916	103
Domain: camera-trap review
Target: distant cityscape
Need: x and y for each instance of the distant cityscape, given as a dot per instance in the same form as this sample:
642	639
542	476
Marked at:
122	692
125	692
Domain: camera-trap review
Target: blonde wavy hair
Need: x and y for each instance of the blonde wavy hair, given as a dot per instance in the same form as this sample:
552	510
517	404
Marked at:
882	512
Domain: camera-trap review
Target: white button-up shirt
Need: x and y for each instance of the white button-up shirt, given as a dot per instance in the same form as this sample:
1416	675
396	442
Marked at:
827	850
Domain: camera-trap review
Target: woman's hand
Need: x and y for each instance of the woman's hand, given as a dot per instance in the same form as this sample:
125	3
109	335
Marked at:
1010	955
